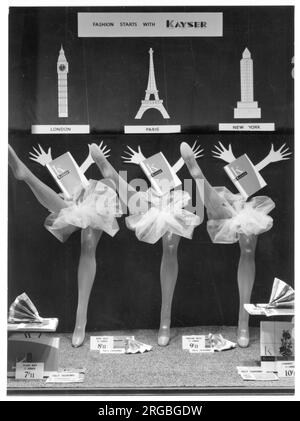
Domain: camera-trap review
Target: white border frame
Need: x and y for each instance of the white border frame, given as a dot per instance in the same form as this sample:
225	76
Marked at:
3	187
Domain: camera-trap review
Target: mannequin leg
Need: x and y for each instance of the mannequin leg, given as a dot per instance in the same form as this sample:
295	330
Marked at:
44	194
169	264
246	276
215	205
86	277
168	278
219	209
108	171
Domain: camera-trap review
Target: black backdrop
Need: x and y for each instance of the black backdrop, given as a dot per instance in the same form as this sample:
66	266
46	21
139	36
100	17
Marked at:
199	82
198	78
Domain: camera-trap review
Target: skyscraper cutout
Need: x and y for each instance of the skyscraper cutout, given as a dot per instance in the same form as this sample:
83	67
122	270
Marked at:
247	107
148	103
62	75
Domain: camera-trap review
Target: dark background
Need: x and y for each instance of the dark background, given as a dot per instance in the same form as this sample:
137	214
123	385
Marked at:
198	78
126	292
110	75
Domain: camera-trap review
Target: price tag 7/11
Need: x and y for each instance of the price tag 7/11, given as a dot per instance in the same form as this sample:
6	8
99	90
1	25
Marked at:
29	371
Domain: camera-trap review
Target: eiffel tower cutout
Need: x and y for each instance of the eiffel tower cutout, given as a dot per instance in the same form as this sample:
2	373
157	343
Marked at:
148	103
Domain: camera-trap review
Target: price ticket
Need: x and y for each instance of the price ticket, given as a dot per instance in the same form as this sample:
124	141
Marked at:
29	371
197	343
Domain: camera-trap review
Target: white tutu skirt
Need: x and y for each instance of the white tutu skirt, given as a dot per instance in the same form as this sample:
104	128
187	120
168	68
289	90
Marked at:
95	206
163	214
248	218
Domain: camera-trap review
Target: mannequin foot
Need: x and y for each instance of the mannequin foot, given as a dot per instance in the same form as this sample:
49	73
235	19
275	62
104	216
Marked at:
218	208
101	161
163	336
78	336
18	168
243	337
189	158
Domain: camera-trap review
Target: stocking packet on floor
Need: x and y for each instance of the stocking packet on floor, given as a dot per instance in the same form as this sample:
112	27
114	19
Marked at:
132	346
256	373
67	375
206	343
219	343
118	345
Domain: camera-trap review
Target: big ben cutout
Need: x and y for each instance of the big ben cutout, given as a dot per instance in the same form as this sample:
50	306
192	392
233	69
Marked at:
62	75
57	119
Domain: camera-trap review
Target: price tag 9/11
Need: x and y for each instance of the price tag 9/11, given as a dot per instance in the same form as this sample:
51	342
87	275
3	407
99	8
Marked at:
197	344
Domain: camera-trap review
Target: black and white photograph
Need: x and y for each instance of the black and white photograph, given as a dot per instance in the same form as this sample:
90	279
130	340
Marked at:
150	189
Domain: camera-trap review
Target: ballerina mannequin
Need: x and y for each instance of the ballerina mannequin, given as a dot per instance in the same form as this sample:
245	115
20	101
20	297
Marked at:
92	209
232	219
160	217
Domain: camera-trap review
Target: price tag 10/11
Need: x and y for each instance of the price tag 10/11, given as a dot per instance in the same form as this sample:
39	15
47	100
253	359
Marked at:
29	371
286	369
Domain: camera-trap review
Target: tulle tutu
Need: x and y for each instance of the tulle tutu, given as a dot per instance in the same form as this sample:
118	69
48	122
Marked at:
96	206
248	218
164	214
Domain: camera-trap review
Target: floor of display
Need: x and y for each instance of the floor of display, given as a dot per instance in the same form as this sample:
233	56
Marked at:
164	369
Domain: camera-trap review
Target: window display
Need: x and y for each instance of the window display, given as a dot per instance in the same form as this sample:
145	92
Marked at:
94	89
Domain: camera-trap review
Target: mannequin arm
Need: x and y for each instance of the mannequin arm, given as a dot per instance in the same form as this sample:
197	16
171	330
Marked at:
133	156
40	156
281	154
220	152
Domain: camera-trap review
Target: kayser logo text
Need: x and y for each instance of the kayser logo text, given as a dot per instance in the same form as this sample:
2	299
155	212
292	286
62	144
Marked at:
187	24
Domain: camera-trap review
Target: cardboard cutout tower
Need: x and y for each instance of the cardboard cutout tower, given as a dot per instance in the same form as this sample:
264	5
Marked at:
54	125
62	80
148	103
247	107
